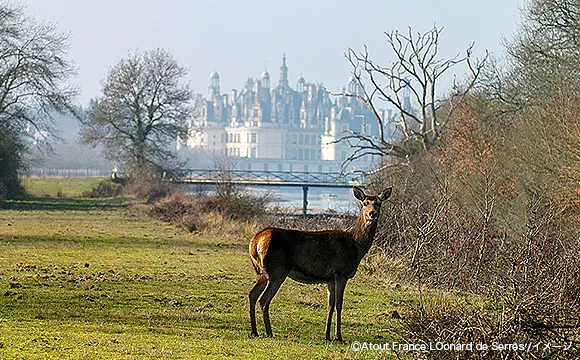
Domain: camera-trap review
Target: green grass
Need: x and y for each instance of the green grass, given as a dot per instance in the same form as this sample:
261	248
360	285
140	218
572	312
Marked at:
59	187
96	279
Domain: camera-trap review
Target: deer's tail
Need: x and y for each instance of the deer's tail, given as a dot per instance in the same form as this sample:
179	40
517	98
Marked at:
259	248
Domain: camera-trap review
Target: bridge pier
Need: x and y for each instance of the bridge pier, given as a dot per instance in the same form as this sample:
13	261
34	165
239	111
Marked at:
304	200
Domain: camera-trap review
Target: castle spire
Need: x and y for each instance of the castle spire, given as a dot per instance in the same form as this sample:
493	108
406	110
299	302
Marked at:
283	73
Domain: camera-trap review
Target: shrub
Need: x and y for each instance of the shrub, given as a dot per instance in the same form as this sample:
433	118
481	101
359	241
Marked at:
463	218
211	213
150	189
105	188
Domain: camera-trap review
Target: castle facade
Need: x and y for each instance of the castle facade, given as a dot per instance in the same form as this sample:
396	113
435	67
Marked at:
262	121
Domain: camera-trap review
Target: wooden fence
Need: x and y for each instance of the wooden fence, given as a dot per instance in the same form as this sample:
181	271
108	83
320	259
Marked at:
67	173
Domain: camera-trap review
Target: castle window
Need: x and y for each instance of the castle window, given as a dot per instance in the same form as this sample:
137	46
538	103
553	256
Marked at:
300	154
253	153
254	138
301	140
307	139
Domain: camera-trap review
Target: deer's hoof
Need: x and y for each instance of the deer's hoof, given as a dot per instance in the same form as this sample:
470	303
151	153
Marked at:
254	334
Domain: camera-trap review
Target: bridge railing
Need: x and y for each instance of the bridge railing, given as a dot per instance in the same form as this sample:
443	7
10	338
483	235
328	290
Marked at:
267	177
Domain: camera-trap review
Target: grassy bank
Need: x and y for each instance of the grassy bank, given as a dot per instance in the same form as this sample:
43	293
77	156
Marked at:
94	279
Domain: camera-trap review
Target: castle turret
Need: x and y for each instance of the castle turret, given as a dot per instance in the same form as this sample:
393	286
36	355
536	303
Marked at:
283	82
300	84
214	86
265	79
353	87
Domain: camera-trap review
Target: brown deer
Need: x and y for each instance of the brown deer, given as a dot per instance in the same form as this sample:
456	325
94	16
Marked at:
314	257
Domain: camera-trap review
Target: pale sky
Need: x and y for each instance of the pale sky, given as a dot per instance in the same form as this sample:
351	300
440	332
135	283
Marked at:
239	39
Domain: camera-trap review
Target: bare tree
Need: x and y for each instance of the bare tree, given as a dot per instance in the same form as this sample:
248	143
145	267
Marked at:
543	55
410	85
33	69
33	87
143	111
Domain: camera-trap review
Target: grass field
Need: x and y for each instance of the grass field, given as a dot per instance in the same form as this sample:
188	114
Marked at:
59	187
96	279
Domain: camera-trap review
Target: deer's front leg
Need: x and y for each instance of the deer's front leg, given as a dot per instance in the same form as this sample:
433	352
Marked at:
331	304
340	285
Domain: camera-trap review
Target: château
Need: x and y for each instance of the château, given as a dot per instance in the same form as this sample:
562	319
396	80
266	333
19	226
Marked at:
280	127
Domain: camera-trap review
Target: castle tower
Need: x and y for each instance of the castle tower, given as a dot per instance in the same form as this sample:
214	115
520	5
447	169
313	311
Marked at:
283	82
353	86
300	84
214	86
265	79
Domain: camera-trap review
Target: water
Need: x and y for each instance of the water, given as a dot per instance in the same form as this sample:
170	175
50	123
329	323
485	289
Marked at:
320	199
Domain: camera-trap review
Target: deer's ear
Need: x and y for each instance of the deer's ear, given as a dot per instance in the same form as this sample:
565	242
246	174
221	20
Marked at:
358	193
386	193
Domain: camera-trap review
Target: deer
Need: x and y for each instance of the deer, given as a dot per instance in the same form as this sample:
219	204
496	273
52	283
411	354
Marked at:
313	257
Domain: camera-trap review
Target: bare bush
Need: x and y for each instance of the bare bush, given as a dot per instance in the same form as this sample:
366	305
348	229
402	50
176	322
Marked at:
477	226
105	188
150	189
212	213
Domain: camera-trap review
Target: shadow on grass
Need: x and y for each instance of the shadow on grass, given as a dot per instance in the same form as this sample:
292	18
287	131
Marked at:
104	241
63	204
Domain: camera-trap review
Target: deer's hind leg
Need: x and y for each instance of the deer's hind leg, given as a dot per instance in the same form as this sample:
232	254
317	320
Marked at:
271	290
255	293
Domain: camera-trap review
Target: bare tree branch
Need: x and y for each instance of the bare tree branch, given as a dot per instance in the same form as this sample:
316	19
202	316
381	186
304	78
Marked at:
409	84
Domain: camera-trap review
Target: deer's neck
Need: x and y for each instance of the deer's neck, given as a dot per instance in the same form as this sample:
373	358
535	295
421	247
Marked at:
363	233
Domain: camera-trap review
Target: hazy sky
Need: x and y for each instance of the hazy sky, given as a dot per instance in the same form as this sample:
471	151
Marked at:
240	39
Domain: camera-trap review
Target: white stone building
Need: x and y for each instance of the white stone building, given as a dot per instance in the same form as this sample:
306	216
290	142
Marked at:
290	126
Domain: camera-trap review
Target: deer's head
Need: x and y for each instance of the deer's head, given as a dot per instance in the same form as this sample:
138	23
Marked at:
371	205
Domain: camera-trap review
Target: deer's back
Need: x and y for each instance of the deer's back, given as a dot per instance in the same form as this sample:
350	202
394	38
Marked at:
308	256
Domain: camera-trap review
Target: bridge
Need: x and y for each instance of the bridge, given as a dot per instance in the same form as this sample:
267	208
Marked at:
272	178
